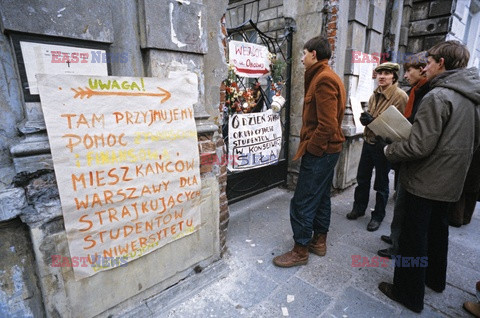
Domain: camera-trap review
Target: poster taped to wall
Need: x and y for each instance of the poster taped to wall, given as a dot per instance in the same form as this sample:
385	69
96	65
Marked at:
126	160
254	140
248	59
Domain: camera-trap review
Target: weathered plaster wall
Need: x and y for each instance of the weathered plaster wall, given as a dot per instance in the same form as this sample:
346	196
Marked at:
19	294
11	110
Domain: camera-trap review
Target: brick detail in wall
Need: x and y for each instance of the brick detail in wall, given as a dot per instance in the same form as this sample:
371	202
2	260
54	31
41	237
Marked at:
212	152
330	11
221	154
222	181
223	26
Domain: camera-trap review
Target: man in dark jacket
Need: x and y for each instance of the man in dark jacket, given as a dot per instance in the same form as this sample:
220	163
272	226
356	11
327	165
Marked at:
419	88
321	140
436	157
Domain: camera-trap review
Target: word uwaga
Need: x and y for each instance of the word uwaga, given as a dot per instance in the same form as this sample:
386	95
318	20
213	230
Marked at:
92	57
396	261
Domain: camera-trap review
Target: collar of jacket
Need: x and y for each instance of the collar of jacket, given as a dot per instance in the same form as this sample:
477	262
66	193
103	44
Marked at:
314	70
388	92
442	76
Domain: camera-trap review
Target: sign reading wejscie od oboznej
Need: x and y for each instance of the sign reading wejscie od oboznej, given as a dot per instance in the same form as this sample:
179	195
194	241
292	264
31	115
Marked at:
248	59
254	140
126	161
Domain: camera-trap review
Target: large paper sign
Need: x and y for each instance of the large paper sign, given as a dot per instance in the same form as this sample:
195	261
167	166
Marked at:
254	140
126	160
248	59
363	66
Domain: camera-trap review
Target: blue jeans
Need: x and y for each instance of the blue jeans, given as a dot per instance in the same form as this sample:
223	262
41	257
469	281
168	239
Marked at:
310	206
372	157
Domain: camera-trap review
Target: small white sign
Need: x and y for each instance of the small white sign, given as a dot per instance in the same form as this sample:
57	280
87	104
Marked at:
42	58
248	59
254	140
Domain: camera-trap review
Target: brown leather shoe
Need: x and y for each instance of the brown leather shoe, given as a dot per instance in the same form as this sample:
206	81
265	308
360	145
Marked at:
297	256
473	308
318	244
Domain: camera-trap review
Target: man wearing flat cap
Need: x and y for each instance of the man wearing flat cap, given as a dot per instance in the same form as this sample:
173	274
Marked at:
387	93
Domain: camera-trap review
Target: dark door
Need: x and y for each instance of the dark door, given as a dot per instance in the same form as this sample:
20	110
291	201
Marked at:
242	184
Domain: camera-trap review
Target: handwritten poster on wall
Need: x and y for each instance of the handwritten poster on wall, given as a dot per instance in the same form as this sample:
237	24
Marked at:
248	59
126	161
254	140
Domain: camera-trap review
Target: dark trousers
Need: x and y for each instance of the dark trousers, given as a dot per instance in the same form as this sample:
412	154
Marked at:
424	234
372	157
310	207
399	210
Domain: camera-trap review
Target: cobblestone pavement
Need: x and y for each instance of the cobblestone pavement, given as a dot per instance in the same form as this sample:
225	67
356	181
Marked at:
245	283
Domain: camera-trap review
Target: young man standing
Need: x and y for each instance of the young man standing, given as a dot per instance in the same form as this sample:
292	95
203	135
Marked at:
420	87
435	160
321	140
387	93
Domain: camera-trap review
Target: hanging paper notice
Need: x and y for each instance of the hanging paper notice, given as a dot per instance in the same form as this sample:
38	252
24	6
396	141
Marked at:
126	161
254	140
248	59
40	58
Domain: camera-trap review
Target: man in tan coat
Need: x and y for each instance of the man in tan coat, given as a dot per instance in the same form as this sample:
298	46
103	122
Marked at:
321	141
387	93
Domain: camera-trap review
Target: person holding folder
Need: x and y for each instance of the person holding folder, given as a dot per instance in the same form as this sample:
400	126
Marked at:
418	81
387	93
435	160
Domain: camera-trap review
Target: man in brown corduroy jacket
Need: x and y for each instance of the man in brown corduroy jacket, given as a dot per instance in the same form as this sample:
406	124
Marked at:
321	141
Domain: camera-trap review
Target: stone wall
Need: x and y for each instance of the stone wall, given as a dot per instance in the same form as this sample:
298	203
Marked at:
307	17
365	25
430	21
19	294
30	286
426	23
267	14
466	28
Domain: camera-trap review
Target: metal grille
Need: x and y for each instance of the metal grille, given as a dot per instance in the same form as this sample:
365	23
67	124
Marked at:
241	185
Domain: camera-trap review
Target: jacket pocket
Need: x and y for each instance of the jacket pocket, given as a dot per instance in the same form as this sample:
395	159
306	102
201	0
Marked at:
308	99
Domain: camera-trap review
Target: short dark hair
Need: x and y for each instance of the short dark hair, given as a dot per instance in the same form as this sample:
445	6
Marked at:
417	61
395	77
321	45
454	53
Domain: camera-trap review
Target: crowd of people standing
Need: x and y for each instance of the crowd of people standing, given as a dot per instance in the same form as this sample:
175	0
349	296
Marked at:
437	166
